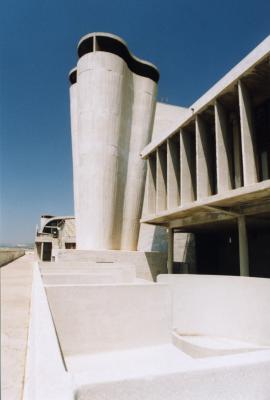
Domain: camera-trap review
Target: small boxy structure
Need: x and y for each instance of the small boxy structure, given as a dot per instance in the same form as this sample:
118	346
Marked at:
54	233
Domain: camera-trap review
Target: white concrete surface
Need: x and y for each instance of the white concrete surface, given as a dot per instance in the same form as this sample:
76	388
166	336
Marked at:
226	306
210	346
104	318
237	378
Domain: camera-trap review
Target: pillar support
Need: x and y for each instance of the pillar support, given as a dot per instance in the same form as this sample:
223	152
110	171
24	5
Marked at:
170	250
243	246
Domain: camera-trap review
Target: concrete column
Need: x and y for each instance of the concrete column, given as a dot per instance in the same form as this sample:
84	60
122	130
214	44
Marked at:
173	173
187	166
237	158
170	250
203	171
41	251
223	150
243	246
142	117
151	184
247	136
161	193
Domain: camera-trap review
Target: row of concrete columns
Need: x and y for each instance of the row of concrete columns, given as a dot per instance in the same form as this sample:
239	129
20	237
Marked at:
183	169
243	247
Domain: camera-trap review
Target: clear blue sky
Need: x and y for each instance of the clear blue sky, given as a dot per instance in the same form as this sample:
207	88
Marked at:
193	43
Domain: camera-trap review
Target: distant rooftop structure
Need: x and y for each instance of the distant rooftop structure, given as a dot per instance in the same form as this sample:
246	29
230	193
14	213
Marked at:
55	232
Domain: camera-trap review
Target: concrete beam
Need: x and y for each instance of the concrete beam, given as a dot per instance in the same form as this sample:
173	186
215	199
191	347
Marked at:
173	173
199	219
247	136
223	150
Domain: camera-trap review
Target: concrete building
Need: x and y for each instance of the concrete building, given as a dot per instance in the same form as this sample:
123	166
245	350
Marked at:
93	325
54	233
209	174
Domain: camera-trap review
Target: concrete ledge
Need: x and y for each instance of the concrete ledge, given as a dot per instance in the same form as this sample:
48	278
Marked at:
234	378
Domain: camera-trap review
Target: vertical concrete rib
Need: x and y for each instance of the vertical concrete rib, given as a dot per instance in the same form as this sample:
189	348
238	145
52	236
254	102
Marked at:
203	171
151	184
187	166
223	150
173	173
142	117
161	201
237	153
250	173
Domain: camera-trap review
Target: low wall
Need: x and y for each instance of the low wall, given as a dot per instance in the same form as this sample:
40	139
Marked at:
103	318
148	264
117	272
46	377
227	306
8	255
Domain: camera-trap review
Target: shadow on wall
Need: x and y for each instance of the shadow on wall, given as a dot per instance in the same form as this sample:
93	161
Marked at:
184	253
160	241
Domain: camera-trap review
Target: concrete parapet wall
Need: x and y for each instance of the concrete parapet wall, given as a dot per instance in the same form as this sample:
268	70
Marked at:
46	377
8	255
226	306
103	318
148	264
242	379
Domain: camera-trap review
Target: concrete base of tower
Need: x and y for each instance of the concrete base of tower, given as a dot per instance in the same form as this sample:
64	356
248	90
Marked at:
148	264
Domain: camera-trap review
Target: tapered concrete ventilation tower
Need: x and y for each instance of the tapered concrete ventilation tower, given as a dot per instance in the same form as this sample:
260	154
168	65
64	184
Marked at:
113	98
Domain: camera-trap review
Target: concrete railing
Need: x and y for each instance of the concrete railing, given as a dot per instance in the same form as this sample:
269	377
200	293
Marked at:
227	306
8	255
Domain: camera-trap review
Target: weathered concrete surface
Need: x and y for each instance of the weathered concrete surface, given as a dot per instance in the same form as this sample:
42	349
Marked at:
8	255
16	283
